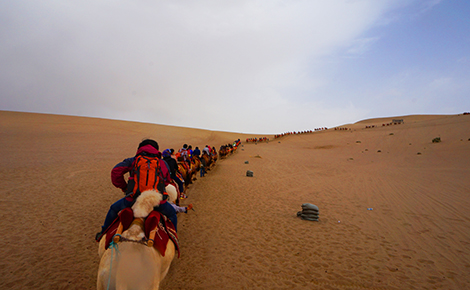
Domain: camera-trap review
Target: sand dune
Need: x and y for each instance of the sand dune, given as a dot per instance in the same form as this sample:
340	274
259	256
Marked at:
245	233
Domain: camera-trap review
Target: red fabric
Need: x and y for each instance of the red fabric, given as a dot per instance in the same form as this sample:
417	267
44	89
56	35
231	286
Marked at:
149	149
165	172
165	231
117	177
126	216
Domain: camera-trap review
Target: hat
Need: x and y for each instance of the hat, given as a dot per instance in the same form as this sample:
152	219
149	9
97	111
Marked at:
167	153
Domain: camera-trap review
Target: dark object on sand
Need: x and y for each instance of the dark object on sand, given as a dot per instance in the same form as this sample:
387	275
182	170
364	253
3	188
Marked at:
309	212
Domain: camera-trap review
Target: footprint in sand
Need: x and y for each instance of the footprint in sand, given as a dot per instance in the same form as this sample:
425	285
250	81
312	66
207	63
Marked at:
392	269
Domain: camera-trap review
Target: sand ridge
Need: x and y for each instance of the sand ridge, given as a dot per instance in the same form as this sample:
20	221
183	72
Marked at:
244	233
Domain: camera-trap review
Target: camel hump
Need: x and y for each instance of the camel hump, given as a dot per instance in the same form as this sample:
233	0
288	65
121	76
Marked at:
145	203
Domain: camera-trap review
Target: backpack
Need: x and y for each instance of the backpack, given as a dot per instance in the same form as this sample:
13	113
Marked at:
148	175
184	153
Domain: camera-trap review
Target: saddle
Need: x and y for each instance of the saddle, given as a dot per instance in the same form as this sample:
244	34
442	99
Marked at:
185	166
158	230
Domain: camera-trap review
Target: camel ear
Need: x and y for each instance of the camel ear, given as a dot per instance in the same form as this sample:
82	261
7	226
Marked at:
145	203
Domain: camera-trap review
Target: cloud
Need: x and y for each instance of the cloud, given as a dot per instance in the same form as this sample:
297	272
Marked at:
428	5
361	45
234	65
441	83
464	60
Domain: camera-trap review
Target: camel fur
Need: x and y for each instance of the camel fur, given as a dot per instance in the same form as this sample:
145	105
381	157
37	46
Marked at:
172	193
146	202
150	199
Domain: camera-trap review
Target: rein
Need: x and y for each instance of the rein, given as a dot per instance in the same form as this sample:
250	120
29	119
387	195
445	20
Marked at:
140	223
144	241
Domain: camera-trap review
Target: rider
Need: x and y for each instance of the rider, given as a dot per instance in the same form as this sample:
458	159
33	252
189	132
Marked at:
147	147
184	153
190	152
197	152
207	150
173	166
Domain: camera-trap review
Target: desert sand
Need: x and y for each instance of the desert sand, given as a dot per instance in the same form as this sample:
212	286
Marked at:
393	205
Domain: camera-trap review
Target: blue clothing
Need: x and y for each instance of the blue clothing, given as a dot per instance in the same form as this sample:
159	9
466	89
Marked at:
169	211
180	184
203	171
114	210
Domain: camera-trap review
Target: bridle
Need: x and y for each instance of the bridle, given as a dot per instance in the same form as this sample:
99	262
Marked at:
140	223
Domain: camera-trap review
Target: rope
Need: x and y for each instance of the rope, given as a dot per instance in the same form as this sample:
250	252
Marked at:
113	247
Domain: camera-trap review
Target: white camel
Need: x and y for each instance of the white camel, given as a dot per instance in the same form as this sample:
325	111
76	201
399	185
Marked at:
134	265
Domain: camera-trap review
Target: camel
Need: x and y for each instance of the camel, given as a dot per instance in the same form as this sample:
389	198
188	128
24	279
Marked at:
225	150
185	174
197	165
133	264
192	175
214	156
206	161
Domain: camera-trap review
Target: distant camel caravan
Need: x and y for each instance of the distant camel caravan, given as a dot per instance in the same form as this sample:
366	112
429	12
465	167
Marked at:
133	261
393	122
228	149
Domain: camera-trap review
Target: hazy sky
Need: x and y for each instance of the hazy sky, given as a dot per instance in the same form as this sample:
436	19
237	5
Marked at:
240	66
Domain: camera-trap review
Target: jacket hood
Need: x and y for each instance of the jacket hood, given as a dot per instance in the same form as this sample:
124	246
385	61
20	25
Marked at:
148	149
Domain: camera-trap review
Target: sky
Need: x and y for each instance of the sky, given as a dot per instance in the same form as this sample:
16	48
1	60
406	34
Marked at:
261	66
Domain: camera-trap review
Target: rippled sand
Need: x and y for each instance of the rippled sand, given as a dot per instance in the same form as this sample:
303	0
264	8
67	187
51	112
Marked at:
244	232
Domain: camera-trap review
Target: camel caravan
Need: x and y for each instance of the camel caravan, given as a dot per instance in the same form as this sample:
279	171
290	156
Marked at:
393	122
228	149
139	240
299	132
